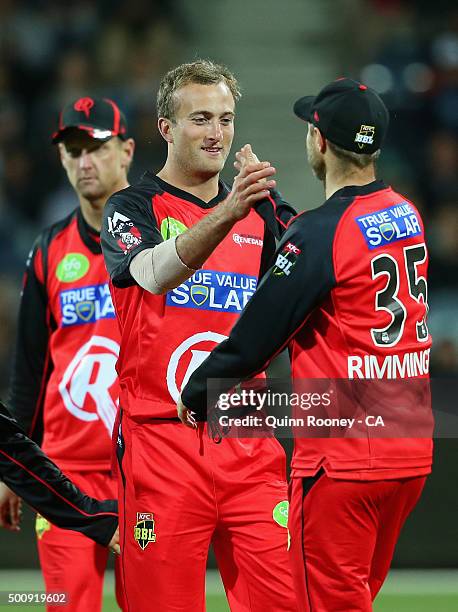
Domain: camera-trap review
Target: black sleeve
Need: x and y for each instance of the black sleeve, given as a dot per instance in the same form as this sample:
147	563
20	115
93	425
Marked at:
32	366
27	471
301	276
276	212
128	227
268	252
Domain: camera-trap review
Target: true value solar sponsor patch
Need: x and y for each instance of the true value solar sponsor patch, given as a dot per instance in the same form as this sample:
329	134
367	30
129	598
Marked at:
214	290
86	305
398	222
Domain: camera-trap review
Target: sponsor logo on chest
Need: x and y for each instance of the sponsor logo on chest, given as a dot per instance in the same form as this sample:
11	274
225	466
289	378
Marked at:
243	239
398	222
86	305
72	267
214	290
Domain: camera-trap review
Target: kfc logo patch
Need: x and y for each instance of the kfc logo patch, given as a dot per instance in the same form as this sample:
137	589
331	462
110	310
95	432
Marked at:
292	248
124	231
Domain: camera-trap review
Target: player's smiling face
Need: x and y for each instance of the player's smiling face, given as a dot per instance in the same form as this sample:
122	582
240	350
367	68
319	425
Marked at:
203	128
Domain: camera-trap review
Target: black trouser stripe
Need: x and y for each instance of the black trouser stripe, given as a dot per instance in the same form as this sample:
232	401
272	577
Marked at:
307	484
120	455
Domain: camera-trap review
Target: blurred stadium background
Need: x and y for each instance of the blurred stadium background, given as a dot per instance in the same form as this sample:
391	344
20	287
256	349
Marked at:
53	51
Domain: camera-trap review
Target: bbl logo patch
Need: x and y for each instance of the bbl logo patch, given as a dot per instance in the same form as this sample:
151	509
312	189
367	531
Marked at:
365	135
286	260
41	526
144	529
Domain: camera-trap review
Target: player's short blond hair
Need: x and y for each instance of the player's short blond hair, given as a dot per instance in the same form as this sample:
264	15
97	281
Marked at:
203	72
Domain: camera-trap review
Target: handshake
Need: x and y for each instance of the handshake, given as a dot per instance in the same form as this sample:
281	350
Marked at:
251	185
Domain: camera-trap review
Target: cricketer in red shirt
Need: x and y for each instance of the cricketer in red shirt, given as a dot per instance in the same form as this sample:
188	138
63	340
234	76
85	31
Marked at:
348	295
183	490
64	390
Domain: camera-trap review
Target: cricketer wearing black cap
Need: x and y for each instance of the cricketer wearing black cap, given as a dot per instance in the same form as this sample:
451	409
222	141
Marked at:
68	339
347	113
347	294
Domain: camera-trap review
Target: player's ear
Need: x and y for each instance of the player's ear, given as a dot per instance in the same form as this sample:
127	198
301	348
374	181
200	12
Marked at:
61	149
165	128
321	141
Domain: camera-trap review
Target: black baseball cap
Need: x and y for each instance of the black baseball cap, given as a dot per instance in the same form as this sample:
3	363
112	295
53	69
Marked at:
348	113
101	118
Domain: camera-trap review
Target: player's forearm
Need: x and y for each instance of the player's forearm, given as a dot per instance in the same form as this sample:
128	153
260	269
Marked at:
31	475
172	262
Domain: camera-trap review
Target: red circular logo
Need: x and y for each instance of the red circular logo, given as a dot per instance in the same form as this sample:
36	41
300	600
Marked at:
84	105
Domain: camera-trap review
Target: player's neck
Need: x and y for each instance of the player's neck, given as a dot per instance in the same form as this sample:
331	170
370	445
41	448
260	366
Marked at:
204	188
335	180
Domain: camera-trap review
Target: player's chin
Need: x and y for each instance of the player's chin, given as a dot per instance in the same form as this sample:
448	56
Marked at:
92	191
215	164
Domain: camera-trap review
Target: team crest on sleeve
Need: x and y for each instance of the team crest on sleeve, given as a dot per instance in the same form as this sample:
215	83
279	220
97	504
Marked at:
286	259
144	529
365	135
124	232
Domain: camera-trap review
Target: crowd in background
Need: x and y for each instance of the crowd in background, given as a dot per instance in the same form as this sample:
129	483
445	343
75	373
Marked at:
52	52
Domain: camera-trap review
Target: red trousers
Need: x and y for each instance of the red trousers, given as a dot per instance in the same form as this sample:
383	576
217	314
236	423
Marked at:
72	563
343	535
180	492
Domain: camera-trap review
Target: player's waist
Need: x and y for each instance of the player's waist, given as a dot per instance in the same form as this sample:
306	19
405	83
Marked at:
341	457
152	407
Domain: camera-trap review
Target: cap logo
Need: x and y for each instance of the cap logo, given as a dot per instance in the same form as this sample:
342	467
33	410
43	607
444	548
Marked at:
84	105
316	116
365	135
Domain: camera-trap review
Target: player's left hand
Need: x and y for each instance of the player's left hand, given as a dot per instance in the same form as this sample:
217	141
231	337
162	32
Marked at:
185	415
246	156
114	542
10	509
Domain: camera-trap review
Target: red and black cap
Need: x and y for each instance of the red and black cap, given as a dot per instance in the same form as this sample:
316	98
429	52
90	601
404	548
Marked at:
349	114
99	117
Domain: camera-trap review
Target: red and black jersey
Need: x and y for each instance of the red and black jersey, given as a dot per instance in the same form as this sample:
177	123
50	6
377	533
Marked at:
348	294
64	388
26	470
165	337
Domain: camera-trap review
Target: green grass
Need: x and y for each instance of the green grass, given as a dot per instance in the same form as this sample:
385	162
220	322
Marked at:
384	603
416	603
404	591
